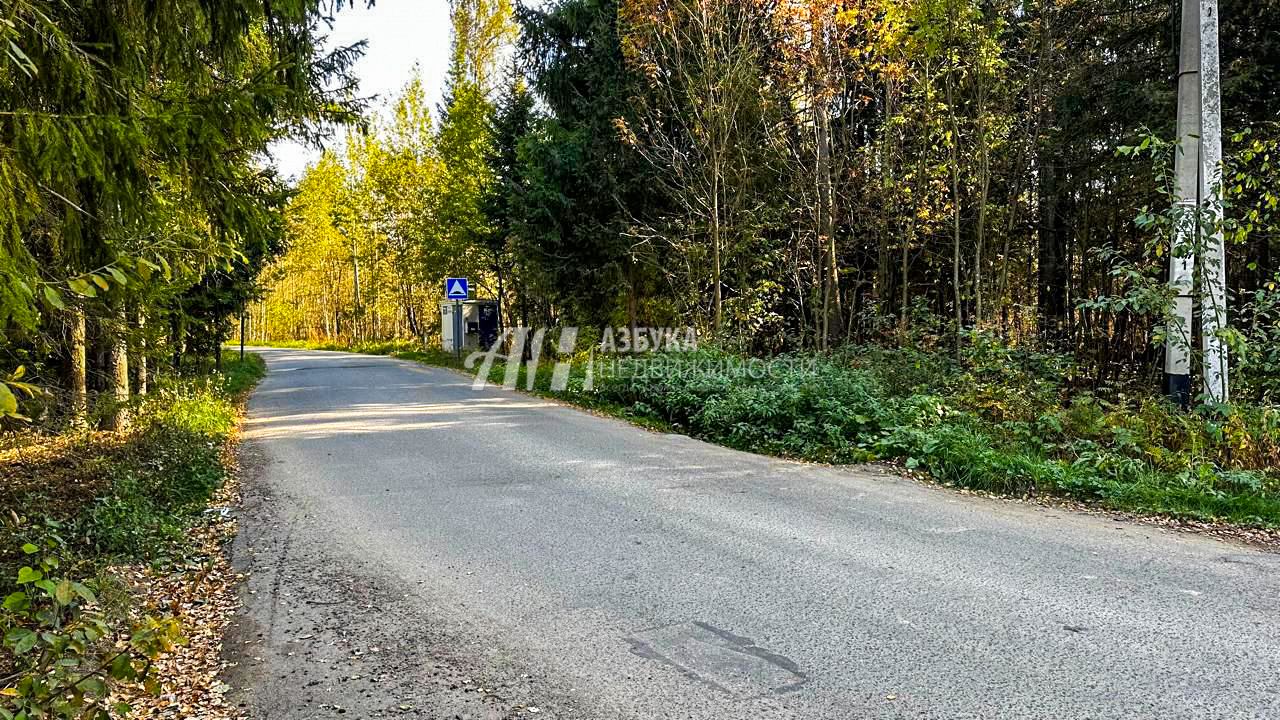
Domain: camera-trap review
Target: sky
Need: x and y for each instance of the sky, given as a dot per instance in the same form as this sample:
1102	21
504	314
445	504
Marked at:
400	33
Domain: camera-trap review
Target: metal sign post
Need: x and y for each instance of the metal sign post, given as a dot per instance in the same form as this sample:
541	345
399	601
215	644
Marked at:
457	329
457	289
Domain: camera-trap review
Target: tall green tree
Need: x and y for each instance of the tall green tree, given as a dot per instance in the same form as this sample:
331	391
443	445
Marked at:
130	153
588	192
505	199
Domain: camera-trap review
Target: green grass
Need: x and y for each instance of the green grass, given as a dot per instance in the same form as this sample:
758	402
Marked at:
240	377
1000	421
129	497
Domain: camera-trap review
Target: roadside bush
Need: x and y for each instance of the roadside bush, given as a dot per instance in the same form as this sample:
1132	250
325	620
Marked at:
901	371
62	644
1258	371
1000	421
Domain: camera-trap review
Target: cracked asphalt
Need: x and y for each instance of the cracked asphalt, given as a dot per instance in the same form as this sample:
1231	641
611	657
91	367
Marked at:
418	548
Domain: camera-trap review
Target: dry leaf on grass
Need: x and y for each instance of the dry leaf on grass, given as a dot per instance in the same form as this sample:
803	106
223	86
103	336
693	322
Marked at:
203	599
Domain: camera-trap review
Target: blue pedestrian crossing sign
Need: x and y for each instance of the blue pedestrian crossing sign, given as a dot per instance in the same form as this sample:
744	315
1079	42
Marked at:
456	289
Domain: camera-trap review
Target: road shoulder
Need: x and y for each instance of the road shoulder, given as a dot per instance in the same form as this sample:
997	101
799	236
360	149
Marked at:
321	634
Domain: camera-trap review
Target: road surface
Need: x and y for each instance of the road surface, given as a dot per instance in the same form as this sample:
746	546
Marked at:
417	548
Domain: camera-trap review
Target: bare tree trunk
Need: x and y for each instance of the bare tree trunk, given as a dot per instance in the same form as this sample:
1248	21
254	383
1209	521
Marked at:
715	248
883	280
955	197
1004	300
139	362
410	312
1046	263
802	311
906	274
355	284
118	362
915	210
497	263
77	353
826	192
633	301
984	193
324	313
826	227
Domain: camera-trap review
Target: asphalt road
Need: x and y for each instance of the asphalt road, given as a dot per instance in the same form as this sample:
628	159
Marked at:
512	557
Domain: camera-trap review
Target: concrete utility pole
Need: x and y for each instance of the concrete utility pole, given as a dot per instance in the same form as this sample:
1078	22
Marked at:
1197	198
1213	304
1182	257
